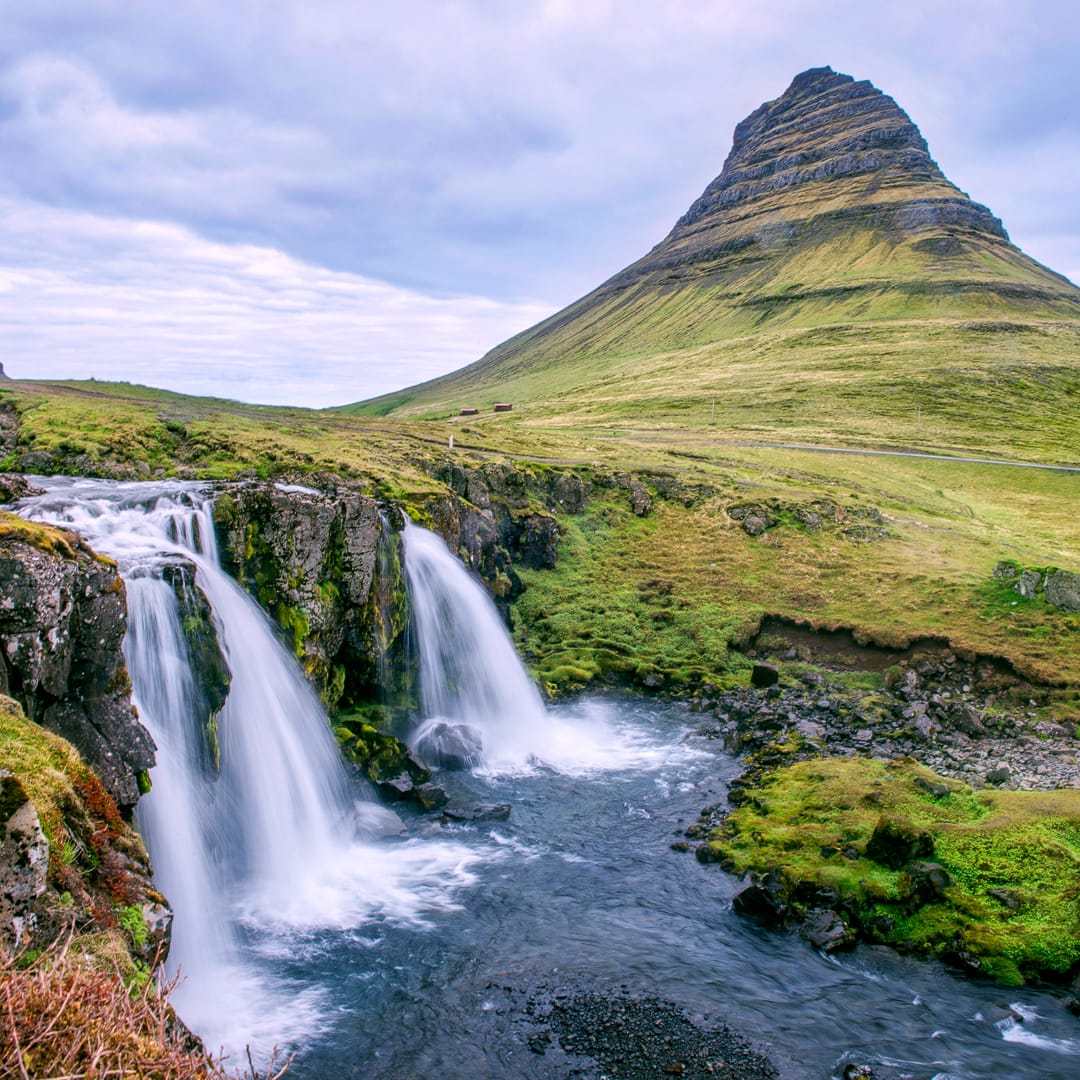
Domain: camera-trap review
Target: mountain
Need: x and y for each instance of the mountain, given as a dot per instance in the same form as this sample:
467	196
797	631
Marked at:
831	282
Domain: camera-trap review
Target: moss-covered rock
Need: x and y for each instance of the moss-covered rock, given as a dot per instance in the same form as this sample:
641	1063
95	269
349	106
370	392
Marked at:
1002	895
206	661
61	626
79	867
311	559
387	762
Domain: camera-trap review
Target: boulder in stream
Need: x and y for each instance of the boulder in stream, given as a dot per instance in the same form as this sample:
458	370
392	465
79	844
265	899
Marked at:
449	745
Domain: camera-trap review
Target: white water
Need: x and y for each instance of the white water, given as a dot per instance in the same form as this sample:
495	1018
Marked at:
470	675
276	844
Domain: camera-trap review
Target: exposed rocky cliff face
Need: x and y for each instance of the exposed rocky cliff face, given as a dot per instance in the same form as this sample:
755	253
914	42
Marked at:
309	557
326	564
69	863
828	154
63	615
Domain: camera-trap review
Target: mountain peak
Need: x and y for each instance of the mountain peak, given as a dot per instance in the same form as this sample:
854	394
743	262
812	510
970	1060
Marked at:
831	236
825	127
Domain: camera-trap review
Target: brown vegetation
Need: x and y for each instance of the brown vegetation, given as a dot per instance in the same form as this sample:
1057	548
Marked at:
62	1020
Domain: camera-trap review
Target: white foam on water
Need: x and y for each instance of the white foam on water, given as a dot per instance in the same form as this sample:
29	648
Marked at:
471	675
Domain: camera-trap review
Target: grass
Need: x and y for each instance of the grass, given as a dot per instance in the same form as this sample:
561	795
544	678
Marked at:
668	594
1024	846
858	336
62	1018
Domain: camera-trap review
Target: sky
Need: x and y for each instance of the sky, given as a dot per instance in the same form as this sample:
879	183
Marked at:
313	202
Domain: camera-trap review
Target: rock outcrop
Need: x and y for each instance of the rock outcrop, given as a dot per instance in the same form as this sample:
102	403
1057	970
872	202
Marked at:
69	863
63	615
310	558
826	153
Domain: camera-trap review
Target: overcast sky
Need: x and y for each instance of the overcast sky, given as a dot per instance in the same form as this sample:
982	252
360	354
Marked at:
313	202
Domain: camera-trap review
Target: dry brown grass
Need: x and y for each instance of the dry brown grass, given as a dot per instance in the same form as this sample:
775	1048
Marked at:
61	1020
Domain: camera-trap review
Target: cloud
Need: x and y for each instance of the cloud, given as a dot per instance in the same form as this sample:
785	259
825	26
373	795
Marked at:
82	295
522	152
527	150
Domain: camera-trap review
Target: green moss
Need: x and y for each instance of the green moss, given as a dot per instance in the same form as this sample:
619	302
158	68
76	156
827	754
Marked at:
379	755
803	816
131	919
42	537
295	622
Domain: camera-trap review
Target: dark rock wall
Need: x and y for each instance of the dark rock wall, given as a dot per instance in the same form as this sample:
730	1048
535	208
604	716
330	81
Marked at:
63	614
310	560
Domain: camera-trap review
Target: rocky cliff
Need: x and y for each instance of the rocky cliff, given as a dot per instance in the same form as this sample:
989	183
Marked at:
63	615
326	564
829	152
69	863
310	559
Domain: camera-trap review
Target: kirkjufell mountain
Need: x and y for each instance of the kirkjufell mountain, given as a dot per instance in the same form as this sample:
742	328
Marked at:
831	280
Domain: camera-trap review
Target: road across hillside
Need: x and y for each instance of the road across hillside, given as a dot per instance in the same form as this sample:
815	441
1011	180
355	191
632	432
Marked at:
911	454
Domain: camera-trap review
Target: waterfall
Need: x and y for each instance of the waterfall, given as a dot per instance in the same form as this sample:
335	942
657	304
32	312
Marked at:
278	842
475	694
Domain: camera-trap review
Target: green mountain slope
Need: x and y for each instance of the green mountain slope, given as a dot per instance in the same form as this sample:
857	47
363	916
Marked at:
830	284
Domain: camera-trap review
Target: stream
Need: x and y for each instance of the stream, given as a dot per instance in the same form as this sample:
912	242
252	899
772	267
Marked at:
579	888
375	944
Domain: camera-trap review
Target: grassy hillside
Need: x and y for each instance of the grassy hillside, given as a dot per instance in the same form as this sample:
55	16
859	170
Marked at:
667	594
831	285
888	351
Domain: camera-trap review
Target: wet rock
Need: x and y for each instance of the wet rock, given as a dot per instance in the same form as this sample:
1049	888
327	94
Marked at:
1072	1004
429	796
396	788
206	660
959	954
450	746
309	558
896	841
814	895
767	901
825	930
158	920
857	1072
925	883
764	675
12	485
63	616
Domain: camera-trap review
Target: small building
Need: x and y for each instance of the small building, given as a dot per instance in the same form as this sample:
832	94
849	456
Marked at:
503	406
468	412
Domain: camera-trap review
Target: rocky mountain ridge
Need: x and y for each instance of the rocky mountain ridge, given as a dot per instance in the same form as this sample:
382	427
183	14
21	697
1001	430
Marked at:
833	138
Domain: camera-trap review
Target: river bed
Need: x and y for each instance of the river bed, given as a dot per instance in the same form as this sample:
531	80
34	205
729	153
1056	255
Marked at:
579	890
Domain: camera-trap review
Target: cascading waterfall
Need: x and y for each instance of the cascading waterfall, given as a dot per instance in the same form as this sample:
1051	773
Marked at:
277	843
472	680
